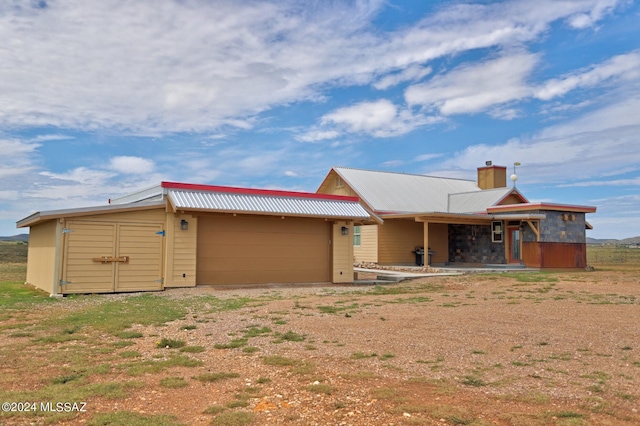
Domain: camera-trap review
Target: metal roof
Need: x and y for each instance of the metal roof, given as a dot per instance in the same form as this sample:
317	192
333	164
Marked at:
155	192
263	203
398	192
85	211
478	201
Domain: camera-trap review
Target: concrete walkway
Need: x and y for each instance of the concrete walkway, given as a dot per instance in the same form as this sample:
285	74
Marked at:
386	276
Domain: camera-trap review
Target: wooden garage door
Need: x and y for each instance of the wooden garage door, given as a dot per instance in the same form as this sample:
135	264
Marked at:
133	255
262	249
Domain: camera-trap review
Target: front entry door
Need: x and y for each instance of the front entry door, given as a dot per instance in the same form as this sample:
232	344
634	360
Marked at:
514	244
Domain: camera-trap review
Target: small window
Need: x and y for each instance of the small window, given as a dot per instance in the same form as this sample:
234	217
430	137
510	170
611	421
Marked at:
357	235
496	231
338	182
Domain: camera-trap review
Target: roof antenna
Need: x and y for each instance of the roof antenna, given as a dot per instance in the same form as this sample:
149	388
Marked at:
514	177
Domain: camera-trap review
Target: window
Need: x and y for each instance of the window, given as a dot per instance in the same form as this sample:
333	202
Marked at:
496	231
338	182
357	234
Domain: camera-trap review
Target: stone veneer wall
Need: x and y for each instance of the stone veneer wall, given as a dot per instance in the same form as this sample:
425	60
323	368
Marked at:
472	244
554	229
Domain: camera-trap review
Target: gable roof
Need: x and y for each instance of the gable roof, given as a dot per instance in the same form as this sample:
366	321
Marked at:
480	201
397	193
403	193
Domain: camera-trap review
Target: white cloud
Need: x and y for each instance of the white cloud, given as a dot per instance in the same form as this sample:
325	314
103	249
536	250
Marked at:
290	173
154	68
427	157
411	73
625	66
316	135
599	143
364	117
589	19
80	175
474	88
131	165
379	118
17	158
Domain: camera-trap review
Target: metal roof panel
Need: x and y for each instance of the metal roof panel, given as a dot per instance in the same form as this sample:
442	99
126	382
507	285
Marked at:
266	204
398	192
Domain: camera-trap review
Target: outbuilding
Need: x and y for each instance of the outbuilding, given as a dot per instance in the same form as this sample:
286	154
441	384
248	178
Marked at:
184	235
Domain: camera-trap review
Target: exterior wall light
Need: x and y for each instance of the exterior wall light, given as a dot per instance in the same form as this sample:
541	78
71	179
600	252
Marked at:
184	225
345	230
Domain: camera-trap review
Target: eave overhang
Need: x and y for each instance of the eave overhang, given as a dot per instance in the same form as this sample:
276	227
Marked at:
45	216
542	206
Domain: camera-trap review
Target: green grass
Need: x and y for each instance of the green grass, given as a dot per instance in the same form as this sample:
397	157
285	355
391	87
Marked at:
148	366
608	257
216	377
215	409
291	336
279	361
473	381
320	388
129	335
333	309
235	343
173	382
116	317
170	343
233	418
15	295
131	419
13	252
532	277
192	349
254	331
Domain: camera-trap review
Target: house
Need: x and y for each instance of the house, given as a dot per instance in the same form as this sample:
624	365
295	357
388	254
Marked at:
459	222
184	235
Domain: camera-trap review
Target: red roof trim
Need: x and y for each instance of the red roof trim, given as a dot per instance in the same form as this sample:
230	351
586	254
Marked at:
253	191
542	206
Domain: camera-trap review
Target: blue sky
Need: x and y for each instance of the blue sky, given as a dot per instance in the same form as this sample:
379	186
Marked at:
100	98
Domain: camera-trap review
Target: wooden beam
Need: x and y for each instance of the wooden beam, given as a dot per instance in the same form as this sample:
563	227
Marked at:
454	221
534	229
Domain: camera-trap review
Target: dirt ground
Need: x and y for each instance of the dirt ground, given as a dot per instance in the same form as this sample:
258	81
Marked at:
539	349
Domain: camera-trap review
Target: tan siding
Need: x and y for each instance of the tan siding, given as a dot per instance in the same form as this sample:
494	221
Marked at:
439	242
397	239
247	249
367	251
143	216
342	253
329	186
42	256
182	248
511	199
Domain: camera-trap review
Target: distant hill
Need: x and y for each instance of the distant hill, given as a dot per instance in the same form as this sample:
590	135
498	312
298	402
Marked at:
21	237
626	241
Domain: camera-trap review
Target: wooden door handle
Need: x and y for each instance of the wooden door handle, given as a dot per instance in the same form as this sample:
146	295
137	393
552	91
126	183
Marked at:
109	259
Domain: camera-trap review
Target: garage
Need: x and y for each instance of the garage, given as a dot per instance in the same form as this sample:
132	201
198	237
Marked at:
183	235
248	249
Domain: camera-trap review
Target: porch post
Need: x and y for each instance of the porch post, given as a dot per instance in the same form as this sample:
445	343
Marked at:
426	243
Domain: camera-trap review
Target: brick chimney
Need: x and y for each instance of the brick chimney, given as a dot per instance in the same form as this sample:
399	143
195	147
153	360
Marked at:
490	176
